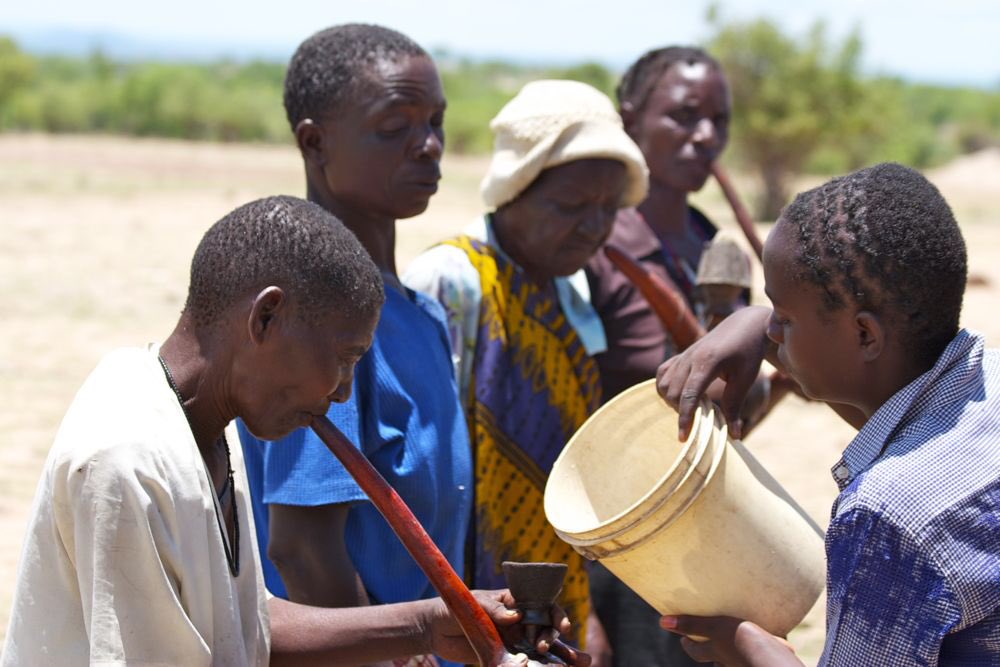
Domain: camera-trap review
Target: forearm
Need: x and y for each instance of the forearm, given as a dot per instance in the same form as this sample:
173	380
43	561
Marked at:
308	582
772	656
730	641
304	635
306	545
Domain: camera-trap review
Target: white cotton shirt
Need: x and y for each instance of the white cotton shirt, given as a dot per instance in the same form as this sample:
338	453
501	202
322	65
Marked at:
123	560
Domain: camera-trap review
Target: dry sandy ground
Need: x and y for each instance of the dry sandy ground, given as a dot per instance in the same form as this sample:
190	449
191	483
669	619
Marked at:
98	233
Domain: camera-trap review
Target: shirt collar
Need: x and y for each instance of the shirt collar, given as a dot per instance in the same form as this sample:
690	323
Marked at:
949	379
572	291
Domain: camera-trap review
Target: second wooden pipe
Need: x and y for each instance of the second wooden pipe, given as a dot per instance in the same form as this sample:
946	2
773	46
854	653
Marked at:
740	211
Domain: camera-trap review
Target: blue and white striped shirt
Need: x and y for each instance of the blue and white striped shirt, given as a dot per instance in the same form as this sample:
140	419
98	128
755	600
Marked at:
913	547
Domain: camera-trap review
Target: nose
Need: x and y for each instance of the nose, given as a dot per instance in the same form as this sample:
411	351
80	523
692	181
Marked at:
431	144
705	133
343	391
596	223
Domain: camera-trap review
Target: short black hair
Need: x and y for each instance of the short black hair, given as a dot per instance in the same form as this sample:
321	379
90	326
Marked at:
290	243
332	65
642	75
885	240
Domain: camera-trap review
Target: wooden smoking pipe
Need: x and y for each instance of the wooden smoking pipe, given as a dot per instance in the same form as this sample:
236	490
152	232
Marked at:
476	625
742	216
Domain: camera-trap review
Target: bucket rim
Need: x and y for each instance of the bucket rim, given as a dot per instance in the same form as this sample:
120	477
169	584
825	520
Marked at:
584	548
705	425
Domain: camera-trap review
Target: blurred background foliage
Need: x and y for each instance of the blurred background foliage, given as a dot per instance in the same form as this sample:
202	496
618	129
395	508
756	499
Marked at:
801	102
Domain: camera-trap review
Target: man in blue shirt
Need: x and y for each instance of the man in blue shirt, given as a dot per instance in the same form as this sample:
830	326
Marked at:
366	106
866	276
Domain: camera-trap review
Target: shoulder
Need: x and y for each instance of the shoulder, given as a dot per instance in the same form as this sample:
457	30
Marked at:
928	473
443	265
702	221
991	378
446	274
939	513
123	424
943	455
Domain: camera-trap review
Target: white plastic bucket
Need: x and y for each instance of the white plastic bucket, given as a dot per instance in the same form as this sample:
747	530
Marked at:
694	528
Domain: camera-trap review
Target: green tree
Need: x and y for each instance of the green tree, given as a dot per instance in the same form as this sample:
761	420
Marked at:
16	70
789	98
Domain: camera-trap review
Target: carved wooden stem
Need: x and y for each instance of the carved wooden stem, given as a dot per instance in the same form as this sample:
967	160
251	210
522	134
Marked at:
742	217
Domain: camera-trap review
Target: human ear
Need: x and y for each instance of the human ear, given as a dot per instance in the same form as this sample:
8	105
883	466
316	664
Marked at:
628	114
871	335
266	307
309	137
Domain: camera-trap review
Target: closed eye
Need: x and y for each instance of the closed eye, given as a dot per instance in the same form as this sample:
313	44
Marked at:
684	116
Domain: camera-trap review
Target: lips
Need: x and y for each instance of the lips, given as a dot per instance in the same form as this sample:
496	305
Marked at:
307	417
424	186
698	166
424	178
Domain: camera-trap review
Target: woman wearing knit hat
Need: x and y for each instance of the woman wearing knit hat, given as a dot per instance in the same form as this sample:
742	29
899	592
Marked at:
522	329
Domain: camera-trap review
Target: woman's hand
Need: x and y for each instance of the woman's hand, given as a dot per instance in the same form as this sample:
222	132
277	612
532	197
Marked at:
730	642
732	351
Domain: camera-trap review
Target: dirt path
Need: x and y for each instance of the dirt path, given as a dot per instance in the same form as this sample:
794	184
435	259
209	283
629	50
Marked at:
98	234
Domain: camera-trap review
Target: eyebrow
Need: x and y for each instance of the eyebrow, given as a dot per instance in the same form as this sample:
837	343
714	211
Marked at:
399	96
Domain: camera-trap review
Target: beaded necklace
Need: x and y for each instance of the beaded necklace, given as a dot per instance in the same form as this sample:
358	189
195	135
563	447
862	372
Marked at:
233	555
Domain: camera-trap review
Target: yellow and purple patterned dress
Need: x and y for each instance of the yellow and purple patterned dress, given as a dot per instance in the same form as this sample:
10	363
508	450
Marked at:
530	385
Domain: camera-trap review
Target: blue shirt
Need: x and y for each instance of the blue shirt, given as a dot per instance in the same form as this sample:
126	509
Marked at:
913	547
404	414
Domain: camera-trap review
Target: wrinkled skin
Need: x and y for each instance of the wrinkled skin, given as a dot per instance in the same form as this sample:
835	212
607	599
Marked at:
559	221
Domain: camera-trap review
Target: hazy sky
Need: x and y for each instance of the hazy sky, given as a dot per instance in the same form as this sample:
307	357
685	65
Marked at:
944	40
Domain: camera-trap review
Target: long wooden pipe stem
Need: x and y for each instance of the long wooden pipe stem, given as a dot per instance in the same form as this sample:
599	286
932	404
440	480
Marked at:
475	623
742	216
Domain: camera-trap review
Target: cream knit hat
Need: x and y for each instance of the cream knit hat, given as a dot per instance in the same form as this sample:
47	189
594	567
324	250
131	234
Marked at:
550	123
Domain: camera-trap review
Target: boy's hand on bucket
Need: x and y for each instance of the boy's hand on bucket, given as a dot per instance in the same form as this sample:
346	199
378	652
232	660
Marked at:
730	642
731	351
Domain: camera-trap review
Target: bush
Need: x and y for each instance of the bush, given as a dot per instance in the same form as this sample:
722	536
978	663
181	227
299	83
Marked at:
799	104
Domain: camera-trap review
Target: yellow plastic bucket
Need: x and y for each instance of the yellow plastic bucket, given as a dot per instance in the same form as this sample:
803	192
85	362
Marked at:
696	527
